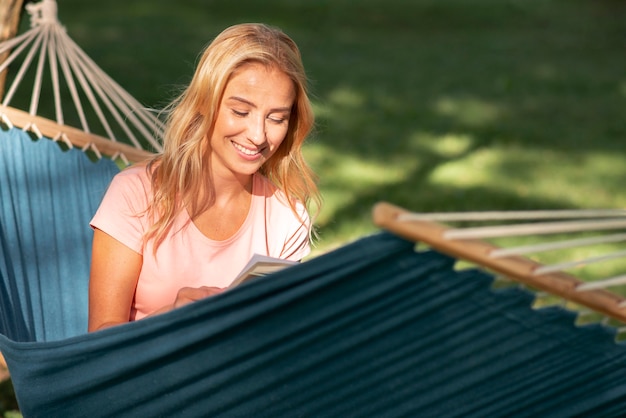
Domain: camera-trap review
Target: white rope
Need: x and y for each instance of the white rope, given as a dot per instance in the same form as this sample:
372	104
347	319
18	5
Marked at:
62	137
511	215
54	73
107	100
602	284
34	102
65	67
84	65
568	221
66	47
122	101
559	245
33	129
81	75
6	122
91	147
578	263
23	68
42	13
539	228
120	97
10	44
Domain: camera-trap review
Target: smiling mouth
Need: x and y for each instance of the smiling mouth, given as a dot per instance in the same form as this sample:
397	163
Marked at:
244	150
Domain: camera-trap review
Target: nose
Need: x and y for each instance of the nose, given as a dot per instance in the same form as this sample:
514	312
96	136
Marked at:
256	130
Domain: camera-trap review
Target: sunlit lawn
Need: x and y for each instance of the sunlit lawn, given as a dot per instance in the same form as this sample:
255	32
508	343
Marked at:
433	105
429	104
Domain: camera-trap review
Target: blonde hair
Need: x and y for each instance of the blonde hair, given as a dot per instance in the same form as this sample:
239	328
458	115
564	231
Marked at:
179	173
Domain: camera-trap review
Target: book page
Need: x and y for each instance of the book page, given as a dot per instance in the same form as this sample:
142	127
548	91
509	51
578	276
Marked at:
260	265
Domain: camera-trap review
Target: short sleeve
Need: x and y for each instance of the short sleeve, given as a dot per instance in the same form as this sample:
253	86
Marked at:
122	212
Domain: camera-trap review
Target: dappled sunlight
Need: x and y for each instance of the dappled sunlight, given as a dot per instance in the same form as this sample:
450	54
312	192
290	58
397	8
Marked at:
345	169
474	170
545	72
446	146
592	179
346	98
344	176
470	111
429	105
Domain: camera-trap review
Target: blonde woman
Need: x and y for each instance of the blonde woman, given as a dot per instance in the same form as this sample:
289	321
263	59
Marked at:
230	182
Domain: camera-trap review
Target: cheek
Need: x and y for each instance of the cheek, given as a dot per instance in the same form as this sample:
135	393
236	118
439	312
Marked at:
230	123
276	135
226	122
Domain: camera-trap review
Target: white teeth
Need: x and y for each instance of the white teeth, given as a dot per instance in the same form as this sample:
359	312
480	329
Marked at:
245	150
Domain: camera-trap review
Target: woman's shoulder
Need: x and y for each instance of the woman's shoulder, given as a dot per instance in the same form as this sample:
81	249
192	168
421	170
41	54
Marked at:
133	175
131	183
135	171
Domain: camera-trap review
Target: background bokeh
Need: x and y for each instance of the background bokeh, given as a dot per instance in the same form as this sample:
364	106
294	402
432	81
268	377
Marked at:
429	104
433	105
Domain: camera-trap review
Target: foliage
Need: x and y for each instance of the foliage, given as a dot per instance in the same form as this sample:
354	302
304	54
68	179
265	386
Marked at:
8	403
433	105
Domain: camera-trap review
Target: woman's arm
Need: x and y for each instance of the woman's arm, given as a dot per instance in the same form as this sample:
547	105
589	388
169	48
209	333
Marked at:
115	270
113	279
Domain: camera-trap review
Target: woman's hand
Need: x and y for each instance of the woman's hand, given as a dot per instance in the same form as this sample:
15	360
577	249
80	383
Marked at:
186	295
115	270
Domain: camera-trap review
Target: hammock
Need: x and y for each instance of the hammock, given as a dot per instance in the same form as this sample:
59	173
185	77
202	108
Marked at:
47	198
471	244
49	189
373	328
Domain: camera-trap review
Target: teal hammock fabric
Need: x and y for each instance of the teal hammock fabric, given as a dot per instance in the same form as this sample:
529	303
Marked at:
372	329
47	197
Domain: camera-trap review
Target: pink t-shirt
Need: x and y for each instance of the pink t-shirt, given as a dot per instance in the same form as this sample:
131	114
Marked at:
188	258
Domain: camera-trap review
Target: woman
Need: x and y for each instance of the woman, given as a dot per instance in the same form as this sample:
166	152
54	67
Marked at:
231	182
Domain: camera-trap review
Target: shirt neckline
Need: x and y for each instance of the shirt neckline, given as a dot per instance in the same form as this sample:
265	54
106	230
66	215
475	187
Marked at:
244	226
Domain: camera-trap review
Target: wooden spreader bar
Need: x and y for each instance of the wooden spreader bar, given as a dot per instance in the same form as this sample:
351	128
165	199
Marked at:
80	139
561	284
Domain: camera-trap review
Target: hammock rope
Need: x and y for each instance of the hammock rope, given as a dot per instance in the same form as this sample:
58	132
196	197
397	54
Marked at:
537	228
472	243
557	245
511	215
48	43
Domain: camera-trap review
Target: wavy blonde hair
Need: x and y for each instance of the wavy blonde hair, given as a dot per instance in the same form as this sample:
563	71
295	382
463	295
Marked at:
180	172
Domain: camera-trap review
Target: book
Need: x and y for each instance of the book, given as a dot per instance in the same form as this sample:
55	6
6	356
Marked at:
260	265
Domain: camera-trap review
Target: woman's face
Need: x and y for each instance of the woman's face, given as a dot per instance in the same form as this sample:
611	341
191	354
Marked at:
252	119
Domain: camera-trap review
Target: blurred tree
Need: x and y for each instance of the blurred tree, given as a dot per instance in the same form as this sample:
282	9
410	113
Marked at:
10	12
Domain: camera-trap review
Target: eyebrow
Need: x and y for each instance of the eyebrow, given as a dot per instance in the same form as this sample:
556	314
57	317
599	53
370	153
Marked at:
249	103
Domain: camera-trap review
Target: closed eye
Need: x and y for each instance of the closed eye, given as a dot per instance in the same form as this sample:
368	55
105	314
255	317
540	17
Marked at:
278	121
240	113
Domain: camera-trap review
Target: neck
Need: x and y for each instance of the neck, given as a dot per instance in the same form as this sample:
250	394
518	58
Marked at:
222	192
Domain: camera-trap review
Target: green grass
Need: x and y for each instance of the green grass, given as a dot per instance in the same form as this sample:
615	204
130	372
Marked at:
433	105
8	403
